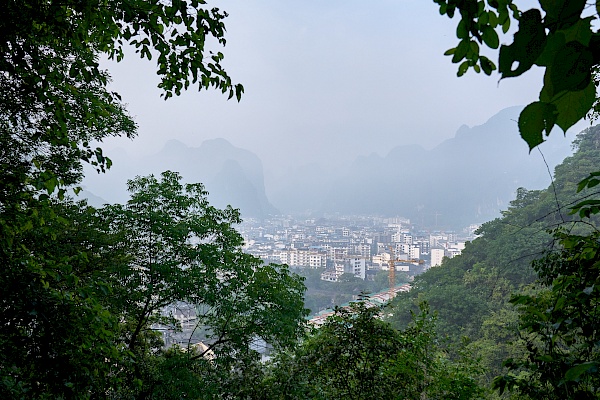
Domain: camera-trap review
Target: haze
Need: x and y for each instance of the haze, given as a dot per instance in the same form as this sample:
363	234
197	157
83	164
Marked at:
325	83
324	80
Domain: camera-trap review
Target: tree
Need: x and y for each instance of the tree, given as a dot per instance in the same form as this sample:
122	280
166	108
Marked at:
560	325
557	36
54	102
89	325
182	250
54	97
58	340
356	355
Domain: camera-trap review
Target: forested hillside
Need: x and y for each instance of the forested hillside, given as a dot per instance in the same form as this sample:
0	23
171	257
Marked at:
470	293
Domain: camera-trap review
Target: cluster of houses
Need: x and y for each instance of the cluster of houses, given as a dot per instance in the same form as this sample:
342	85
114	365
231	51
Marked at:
357	245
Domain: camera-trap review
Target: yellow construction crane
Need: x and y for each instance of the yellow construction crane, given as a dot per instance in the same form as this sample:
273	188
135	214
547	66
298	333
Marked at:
392	267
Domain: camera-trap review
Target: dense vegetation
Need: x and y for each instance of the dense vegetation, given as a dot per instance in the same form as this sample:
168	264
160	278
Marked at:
356	355
551	352
472	294
85	292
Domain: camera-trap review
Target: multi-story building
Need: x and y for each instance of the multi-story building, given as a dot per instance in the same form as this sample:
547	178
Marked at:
437	254
350	265
303	258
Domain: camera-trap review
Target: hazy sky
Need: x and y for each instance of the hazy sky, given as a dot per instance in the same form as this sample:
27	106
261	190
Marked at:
325	81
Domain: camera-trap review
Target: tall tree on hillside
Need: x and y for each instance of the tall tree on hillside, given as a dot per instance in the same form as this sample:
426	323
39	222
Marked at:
54	103
181	249
356	355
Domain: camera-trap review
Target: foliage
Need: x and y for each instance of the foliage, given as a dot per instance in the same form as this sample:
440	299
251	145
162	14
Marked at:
183	250
54	97
57	338
64	313
557	36
471	293
561	325
87	324
356	355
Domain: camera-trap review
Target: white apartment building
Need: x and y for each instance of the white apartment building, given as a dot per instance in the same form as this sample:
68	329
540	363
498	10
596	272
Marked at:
411	250
381	261
363	249
303	258
356	266
437	254
402	237
351	265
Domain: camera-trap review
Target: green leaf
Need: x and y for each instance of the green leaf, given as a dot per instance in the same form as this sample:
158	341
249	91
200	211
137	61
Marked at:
490	37
463	68
580	32
562	13
571	68
528	44
554	43
461	50
574	106
586	208
492	19
589	182
575	372
506	25
486	65
461	30
484	18
536	118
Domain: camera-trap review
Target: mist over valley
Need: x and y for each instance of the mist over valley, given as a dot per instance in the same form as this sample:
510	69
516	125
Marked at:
467	179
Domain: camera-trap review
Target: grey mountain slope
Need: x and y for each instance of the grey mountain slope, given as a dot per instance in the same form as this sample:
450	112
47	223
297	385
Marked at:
232	176
301	190
232	183
466	179
92	199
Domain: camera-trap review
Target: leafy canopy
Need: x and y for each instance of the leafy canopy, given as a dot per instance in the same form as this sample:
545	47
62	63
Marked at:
560	324
84	303
356	355
54	98
557	36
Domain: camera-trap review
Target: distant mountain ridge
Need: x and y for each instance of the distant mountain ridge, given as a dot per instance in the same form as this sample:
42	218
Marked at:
232	176
466	179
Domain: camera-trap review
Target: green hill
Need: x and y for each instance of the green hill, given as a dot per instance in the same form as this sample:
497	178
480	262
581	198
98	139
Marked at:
470	292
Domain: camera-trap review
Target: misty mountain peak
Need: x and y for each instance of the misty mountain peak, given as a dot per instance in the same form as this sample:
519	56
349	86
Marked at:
463	130
217	144
174	147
